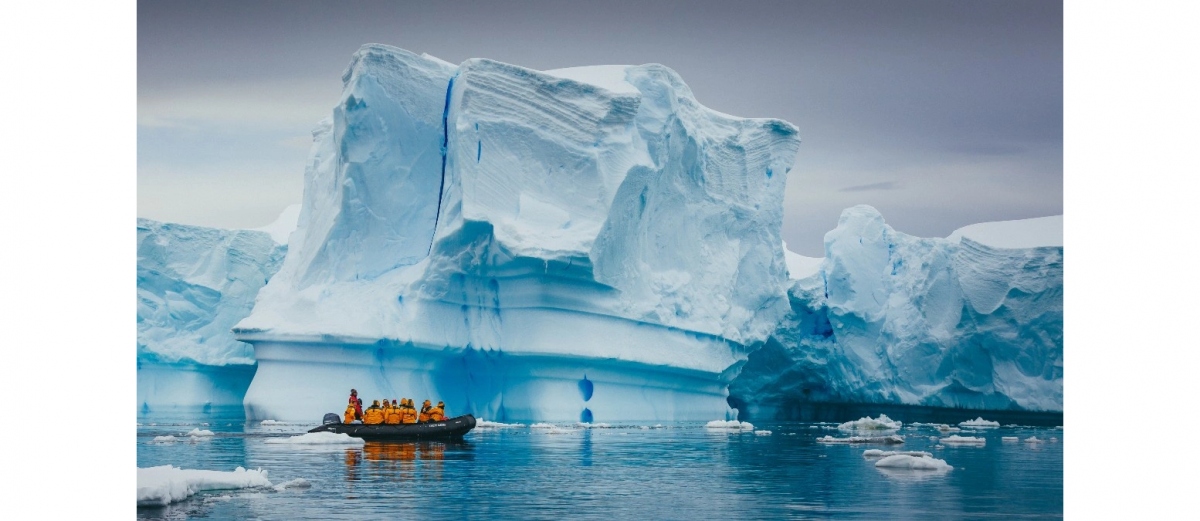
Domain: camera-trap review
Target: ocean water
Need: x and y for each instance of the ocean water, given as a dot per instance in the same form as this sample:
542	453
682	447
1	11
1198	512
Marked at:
671	471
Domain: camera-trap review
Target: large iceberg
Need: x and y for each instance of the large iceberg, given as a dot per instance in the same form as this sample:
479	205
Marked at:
193	284
973	321
577	244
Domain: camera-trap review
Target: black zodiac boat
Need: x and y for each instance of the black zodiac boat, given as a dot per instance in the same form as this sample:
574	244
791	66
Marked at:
448	429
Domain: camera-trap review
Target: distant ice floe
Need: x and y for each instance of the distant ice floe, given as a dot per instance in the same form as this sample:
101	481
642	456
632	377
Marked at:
197	433
583	425
318	438
876	453
909	462
963	440
1010	439
946	428
1034	439
164	439
484	424
731	425
273	422
543	426
159	486
979	422
867	423
885	440
762	433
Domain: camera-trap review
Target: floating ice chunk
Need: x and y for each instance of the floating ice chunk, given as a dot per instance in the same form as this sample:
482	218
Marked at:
273	422
731	424
1010	439
1034	439
876	453
167	484
318	438
979	422
1053	439
197	433
963	440
295	483
543	426
946	428
584	425
905	461
164	439
867	423
205	424
885	440
762	433
484	424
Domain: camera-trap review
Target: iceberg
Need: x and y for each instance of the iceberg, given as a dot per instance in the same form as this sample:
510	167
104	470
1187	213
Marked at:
194	283
972	321
579	244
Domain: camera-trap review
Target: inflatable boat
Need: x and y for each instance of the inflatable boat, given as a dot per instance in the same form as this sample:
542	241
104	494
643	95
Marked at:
448	429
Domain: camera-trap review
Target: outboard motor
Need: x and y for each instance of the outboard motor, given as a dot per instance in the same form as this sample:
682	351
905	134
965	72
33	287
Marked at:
331	418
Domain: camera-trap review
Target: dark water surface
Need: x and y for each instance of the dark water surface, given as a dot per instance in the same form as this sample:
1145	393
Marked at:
679	471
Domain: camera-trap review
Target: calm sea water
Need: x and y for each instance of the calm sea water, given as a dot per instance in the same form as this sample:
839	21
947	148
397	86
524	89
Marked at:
678	471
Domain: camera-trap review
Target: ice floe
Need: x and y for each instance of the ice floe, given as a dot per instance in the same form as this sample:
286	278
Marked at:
197	433
167	483
908	462
762	433
885	440
963	440
867	423
1010	439
318	438
731	425
876	453
484	424
979	422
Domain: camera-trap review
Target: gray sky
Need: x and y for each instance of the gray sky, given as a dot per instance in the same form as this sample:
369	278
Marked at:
938	113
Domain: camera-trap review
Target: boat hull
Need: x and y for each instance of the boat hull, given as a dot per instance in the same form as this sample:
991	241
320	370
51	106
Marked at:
448	429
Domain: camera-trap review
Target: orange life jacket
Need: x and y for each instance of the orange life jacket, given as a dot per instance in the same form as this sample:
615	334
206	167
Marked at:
437	414
373	416
409	415
393	416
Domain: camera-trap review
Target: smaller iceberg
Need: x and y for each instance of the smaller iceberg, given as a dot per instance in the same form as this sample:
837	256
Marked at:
978	423
909	462
963	440
867	423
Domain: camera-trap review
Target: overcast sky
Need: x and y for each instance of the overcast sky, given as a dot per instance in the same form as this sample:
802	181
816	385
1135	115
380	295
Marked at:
938	113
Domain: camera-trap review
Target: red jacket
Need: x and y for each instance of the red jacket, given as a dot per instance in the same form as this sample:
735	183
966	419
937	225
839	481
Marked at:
357	405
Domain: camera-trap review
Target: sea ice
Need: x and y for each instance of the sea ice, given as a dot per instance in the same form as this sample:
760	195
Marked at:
910	462
867	423
199	433
979	423
876	453
484	424
963	440
167	484
886	440
731	424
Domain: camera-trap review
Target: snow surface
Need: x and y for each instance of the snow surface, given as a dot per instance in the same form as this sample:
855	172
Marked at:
909	462
892	318
979	422
868	423
168	484
317	438
1040	232
454	213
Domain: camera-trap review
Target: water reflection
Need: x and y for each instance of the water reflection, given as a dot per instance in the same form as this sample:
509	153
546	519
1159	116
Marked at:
398	461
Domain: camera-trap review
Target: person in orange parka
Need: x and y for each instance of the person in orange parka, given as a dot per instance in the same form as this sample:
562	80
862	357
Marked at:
425	407
373	415
394	414
349	418
438	412
409	415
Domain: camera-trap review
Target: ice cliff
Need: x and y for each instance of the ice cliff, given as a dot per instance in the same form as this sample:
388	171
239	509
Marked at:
562	245
193	285
974	320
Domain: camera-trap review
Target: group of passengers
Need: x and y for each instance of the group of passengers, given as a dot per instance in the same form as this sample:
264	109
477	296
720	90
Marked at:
394	413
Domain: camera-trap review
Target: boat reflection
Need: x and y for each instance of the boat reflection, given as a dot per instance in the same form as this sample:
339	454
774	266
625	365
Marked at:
398	461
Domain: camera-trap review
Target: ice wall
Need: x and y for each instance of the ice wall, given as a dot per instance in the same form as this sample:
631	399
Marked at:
193	285
562	245
972	321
